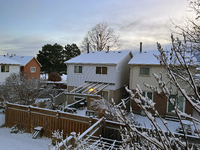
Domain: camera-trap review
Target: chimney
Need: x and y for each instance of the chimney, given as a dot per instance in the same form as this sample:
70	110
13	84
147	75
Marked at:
107	49
88	48
97	45
140	47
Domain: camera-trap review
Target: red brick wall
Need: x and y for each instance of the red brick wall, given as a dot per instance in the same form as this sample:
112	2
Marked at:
188	108
161	104
134	106
27	68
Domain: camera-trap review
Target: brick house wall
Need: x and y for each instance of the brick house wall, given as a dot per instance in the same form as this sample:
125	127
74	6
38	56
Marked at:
27	68
161	105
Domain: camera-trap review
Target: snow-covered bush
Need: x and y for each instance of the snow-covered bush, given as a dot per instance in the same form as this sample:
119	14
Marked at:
18	88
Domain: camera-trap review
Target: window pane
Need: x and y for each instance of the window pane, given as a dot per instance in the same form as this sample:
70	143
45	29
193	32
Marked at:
144	70
170	106
143	94
3	68
33	69
150	95
98	70
7	68
76	68
180	103
80	69
104	70
105	95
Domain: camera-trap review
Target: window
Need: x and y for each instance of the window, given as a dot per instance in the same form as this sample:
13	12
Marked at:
105	95
101	70
147	94
4	68
179	101
33	69
145	71
78	69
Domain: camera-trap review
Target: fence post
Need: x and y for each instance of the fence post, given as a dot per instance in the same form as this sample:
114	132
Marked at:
90	122
73	139
104	127
6	115
29	120
57	121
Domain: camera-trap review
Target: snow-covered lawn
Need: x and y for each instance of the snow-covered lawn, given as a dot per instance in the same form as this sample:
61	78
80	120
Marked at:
172	125
20	141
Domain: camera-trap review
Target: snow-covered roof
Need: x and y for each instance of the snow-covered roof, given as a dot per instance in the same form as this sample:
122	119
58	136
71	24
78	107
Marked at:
99	57
4	60
144	58
21	59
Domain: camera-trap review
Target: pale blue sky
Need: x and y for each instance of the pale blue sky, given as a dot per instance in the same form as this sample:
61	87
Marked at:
27	25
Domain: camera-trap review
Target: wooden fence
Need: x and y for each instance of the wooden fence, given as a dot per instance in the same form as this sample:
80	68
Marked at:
28	117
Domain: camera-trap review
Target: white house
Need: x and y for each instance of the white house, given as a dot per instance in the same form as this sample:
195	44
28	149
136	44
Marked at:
142	67
102	73
8	66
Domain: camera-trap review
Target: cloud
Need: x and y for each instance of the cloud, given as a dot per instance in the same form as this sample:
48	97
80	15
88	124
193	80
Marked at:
26	45
27	26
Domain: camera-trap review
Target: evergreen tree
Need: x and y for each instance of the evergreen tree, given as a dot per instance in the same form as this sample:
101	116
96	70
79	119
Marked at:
71	51
52	57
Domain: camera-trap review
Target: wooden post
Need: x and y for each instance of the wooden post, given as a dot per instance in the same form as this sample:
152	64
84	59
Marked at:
29	120
73	139
104	127
6	115
57	121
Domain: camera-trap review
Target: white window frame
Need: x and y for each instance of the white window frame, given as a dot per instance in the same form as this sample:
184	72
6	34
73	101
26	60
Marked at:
145	95
33	71
80	69
176	102
6	68
144	74
102	70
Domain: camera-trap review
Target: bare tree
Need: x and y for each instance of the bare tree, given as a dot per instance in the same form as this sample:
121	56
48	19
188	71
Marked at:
191	29
18	88
101	37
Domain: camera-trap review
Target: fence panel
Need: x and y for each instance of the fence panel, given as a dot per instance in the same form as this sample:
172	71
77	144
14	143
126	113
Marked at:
28	117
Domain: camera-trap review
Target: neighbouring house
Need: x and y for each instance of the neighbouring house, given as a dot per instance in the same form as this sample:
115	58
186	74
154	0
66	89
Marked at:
8	66
29	64
142	65
98	74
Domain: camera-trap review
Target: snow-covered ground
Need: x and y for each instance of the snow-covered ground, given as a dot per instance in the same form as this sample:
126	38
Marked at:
20	141
172	125
2	118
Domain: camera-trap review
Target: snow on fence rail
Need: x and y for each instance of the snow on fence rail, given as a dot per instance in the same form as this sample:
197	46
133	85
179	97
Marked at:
28	117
